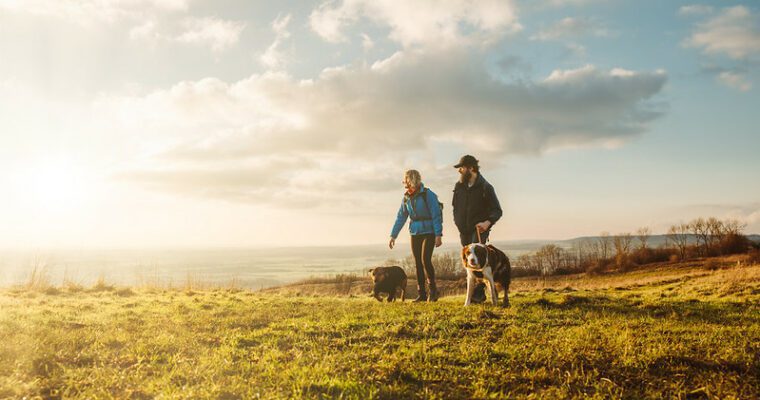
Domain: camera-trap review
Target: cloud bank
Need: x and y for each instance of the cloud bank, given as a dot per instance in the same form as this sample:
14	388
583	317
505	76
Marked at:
734	32
419	23
370	118
155	21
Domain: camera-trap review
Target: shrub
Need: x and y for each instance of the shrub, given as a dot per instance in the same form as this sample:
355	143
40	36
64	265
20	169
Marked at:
648	255
569	270
733	243
622	262
753	257
712	264
337	278
598	267
519	271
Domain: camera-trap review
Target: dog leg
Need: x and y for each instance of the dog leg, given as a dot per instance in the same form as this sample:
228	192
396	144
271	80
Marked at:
470	287
488	277
376	295
403	289
506	296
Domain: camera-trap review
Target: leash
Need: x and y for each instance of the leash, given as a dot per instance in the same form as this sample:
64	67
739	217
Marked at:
480	241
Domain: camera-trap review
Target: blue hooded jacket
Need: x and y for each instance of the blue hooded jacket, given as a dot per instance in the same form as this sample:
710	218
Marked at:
423	220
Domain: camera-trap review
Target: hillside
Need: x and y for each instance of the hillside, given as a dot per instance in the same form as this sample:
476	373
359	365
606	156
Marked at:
679	330
649	274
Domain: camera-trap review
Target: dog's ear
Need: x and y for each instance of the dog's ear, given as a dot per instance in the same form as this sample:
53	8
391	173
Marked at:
464	253
371	271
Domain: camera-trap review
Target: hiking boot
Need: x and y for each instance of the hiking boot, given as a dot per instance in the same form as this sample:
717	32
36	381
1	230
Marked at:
433	293
420	299
479	294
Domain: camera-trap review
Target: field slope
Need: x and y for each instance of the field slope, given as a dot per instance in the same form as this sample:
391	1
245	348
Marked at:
684	332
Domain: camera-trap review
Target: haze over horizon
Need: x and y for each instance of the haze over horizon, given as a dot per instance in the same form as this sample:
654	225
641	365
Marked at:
182	123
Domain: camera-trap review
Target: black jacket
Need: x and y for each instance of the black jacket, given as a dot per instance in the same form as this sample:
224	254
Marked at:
473	205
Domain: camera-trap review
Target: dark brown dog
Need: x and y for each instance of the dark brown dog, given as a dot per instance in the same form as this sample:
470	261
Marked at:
388	280
487	264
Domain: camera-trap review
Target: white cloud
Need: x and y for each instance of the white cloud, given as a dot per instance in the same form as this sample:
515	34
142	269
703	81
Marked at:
273	57
372	118
214	33
564	3
421	22
571	27
734	80
734	32
695	9
367	42
328	21
89	11
148	20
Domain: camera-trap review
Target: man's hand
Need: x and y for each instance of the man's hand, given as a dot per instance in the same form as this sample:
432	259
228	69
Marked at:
483	226
392	243
438	241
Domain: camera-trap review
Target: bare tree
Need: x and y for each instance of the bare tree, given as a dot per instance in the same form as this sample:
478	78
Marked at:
733	227
408	264
527	262
604	245
678	236
701	233
552	257
588	251
643	234
448	265
715	231
622	243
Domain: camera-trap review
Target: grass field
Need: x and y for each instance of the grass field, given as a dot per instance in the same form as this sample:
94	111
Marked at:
679	331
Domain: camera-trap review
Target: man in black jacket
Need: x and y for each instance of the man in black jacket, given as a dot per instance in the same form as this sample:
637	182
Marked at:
476	208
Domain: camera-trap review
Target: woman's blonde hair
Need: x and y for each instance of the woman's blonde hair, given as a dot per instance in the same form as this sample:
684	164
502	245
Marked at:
413	176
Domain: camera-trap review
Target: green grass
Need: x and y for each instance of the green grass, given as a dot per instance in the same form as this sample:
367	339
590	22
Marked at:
697	336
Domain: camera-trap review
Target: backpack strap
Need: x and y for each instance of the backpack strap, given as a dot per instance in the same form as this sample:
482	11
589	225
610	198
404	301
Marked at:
424	198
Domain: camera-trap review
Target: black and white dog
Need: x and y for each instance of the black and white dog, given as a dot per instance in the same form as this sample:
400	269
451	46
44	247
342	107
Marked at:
489	264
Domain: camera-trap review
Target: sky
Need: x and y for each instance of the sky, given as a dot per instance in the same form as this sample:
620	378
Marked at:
188	123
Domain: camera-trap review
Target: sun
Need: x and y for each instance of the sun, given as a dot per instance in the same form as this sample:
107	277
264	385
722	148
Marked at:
53	187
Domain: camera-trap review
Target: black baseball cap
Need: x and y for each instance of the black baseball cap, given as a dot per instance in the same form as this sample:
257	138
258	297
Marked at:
467	161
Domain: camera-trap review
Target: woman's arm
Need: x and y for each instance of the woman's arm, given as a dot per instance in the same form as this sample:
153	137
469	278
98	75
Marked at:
401	217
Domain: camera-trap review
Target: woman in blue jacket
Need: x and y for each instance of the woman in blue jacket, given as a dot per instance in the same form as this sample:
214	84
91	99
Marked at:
421	206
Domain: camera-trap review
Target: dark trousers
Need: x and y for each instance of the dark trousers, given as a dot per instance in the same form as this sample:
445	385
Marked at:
472	237
422	249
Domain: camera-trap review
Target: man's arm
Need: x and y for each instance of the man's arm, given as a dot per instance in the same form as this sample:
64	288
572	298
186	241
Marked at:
494	209
454	205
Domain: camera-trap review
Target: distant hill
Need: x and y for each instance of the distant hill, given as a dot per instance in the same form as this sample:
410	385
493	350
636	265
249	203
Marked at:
527	246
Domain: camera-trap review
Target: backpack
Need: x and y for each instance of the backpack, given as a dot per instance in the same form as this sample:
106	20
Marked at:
424	198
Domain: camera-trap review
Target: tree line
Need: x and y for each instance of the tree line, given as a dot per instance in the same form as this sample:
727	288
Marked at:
701	237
